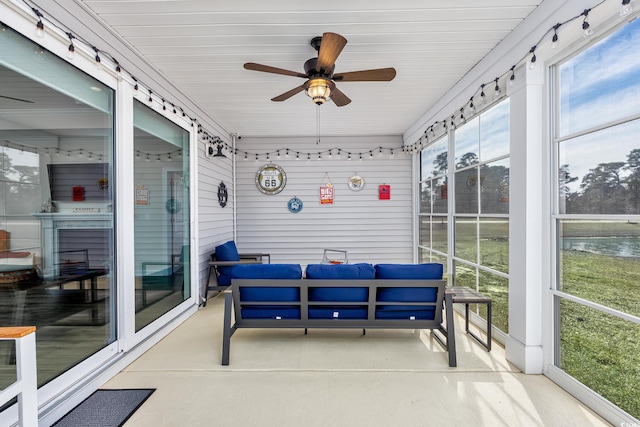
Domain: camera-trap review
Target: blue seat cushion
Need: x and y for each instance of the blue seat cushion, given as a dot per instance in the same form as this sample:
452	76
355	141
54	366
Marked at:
405	312
341	312
362	271
270	312
426	271
267	271
402	294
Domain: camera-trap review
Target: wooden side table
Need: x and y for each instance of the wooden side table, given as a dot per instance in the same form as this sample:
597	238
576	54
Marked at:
466	296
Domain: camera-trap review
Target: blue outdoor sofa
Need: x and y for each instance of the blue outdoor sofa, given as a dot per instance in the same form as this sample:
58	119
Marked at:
363	296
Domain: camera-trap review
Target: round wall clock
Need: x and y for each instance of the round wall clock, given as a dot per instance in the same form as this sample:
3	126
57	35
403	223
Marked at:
271	179
356	183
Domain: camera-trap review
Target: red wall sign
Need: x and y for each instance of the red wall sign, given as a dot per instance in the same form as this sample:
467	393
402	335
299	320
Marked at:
78	194
384	192
326	195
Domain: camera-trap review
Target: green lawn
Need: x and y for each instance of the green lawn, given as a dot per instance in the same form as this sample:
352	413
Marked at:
600	350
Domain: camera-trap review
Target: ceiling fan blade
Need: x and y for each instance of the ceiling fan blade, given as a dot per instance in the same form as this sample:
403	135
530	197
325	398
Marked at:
288	94
268	69
339	98
330	47
16	99
377	75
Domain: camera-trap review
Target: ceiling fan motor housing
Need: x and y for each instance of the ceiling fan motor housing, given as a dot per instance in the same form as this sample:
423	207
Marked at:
310	68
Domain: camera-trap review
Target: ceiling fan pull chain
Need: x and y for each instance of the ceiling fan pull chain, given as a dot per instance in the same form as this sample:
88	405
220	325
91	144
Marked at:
318	123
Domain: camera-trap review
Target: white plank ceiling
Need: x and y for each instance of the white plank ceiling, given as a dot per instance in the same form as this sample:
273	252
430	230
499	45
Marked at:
201	46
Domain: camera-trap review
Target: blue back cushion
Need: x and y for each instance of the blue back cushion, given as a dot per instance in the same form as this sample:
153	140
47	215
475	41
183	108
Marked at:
427	271
361	271
267	271
226	252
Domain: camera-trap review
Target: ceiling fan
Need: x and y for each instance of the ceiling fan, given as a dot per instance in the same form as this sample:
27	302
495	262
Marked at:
321	81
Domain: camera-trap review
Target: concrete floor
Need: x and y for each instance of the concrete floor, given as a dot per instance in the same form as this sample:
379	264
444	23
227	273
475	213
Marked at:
337	378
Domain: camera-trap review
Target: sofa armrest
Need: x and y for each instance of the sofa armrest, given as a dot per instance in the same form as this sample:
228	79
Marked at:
256	256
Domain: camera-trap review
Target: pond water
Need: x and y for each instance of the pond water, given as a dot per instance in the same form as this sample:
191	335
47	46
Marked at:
617	246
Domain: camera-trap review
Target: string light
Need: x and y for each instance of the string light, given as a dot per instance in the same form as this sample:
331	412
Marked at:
626	8
588	31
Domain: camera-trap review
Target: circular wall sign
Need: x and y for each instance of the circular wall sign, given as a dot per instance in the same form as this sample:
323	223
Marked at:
173	206
271	179
356	183
294	205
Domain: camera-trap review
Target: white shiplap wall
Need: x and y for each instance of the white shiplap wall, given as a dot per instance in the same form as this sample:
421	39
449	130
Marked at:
215	223
371	230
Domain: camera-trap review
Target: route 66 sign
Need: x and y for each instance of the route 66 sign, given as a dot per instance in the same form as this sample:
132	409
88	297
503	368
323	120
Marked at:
271	179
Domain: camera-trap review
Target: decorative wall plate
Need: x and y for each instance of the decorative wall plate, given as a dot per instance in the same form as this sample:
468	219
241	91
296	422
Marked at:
355	183
294	205
271	179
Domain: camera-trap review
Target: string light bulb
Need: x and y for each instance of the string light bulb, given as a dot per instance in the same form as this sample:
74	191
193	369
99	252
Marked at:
554	39
72	49
513	75
496	90
626	8
97	58
532	63
588	31
483	97
39	24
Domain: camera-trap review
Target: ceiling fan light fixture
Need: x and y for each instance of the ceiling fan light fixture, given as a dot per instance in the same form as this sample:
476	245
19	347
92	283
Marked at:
319	90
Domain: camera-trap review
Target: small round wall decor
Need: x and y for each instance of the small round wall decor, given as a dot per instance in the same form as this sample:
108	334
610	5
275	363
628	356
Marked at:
173	206
356	183
294	205
103	183
271	179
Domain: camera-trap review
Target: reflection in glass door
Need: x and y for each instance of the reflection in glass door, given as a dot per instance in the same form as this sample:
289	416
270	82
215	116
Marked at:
56	208
161	215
